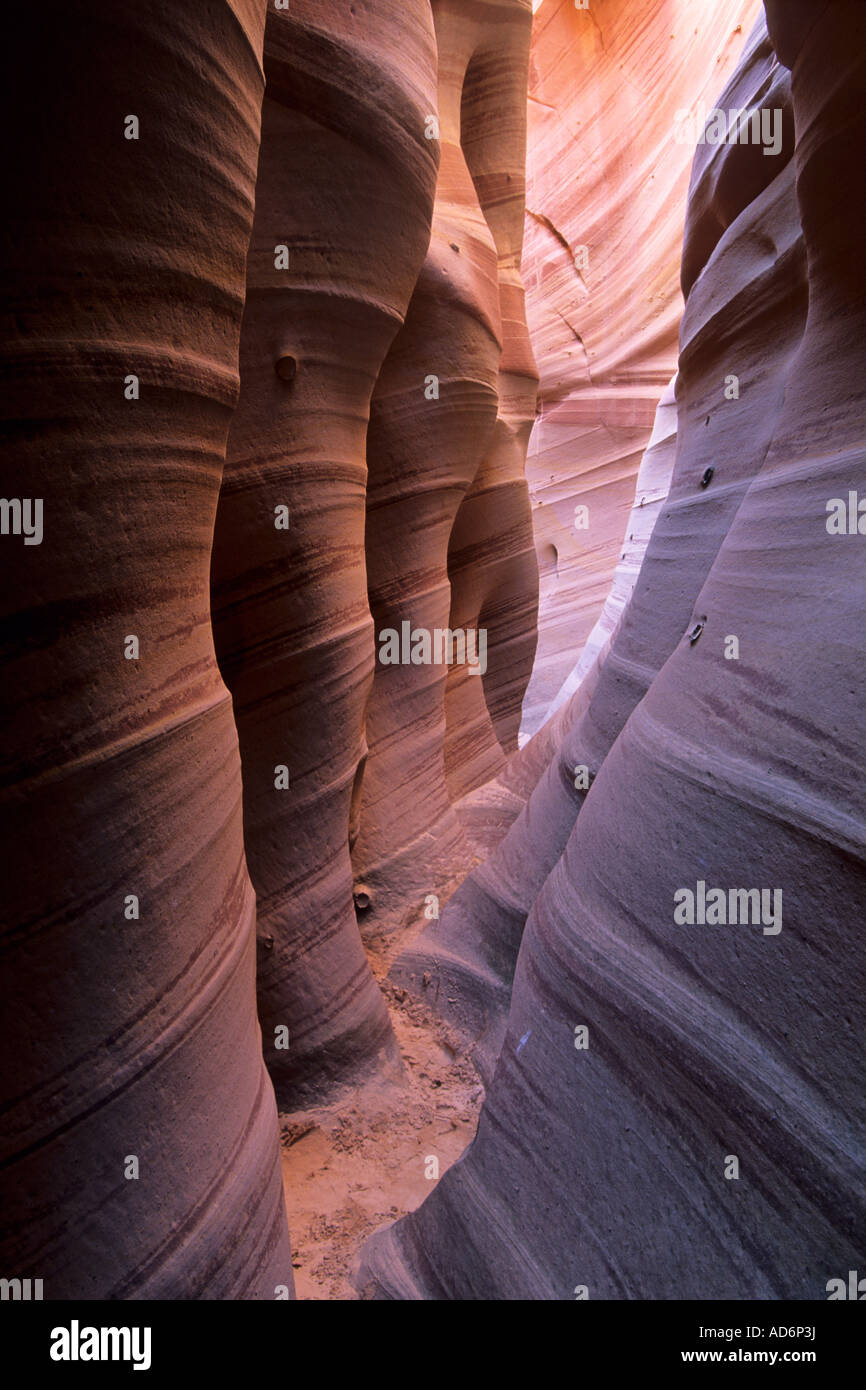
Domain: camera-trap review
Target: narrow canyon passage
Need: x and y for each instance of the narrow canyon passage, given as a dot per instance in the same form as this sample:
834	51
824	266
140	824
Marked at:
433	628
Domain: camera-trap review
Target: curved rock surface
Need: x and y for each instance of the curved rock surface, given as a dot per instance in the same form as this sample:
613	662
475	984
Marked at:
491	560
140	1154
676	1111
345	186
659	968
469	957
449	533
607	184
651	489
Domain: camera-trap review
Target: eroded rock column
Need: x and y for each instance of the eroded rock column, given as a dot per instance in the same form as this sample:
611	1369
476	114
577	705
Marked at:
343	207
491	559
449	421
140	1153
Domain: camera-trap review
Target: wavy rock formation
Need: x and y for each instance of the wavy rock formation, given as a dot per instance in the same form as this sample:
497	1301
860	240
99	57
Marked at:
345	188
140	1155
463	965
607	178
676	1112
651	490
658	968
449	533
470	956
491	560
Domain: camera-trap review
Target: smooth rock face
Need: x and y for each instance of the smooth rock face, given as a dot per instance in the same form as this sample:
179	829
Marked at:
651	490
676	1111
674	1107
491	559
449	534
720	425
129	1034
345	185
606	184
467	959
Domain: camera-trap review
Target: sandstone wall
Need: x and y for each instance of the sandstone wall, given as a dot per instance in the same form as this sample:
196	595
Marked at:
300	258
449	533
129	1032
345	184
606	197
601	1167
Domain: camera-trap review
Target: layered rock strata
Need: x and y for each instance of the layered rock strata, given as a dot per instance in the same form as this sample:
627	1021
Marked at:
608	169
676	1111
742	304
140	1152
343	206
449	537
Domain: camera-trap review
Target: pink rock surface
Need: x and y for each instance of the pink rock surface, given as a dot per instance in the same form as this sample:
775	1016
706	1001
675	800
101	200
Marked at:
601	1162
707	734
129	1033
479	934
345	184
606	198
449	536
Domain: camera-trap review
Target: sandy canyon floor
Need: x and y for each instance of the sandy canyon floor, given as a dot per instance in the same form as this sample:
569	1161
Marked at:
362	1161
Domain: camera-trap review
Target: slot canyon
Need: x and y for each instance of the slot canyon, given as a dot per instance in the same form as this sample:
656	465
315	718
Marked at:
434	651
